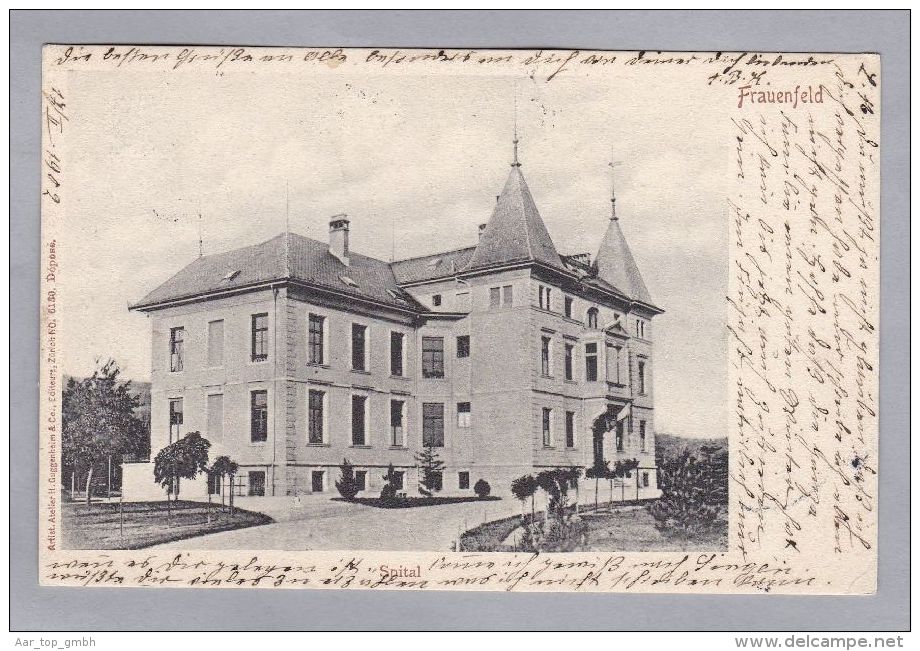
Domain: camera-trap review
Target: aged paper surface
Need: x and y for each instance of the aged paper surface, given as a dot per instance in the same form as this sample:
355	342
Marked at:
459	320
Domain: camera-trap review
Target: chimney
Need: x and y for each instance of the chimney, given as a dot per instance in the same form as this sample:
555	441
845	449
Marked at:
338	237
482	228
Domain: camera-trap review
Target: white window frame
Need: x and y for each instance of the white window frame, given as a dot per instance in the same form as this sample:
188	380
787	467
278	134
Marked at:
223	343
367	419
207	415
549	354
325	318
469	414
405	338
367	347
325	480
548	442
405	422
325	404
574	428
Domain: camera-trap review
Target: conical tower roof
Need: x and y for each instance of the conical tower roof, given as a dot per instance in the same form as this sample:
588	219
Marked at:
615	264
515	232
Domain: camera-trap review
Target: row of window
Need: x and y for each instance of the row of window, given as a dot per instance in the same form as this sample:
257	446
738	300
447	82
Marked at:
432	347
317	425
258	351
549	434
613	361
544	299
252	483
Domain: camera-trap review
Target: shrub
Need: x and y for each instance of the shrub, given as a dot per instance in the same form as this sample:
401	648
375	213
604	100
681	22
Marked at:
693	491
388	495
482	488
346	485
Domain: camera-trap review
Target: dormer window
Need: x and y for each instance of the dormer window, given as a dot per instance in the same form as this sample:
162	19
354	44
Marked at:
592	318
348	281
231	275
436	300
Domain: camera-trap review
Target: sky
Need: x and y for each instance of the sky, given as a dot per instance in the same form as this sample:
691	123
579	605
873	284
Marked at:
420	155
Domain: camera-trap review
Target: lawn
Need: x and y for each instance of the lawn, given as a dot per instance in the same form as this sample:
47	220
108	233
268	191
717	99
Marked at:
622	529
633	530
146	523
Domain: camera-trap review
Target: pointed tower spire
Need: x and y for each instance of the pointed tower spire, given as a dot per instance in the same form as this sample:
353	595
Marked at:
613	190
515	162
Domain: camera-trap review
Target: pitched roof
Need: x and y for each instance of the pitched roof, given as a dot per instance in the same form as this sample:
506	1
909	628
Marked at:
430	267
515	232
615	265
286	256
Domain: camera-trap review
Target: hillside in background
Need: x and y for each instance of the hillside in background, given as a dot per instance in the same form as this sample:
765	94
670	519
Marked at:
668	445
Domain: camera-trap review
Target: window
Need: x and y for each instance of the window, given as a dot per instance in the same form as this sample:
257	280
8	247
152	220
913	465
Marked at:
645	480
259	337
433	424
175	419
568	306
396	353
642	436
463	480
619	436
570	429
358	420
592	318
507	296
547	427
495	297
215	417
397	423
257	483
463	346
641	378
315	417
432	357
640	328
436	479
361	480
399	479
215	343
436	300
543	293
176	349
213	483
591	362
318	481
613	364
545	365
358	347
463	415
258	420
569	353
316	339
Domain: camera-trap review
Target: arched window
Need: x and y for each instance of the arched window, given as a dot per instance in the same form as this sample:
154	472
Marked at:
592	318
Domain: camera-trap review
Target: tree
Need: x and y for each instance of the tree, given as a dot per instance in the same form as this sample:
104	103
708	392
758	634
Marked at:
522	488
598	472
693	492
347	485
482	489
98	420
388	492
182	459
432	469
223	467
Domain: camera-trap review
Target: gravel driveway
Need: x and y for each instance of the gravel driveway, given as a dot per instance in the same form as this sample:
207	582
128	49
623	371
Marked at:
343	525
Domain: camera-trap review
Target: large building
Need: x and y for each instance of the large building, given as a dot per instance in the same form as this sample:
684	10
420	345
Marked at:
294	354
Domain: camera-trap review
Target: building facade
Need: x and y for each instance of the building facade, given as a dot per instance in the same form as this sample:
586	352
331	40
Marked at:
292	355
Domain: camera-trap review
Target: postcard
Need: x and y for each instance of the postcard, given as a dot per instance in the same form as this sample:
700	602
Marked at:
481	320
